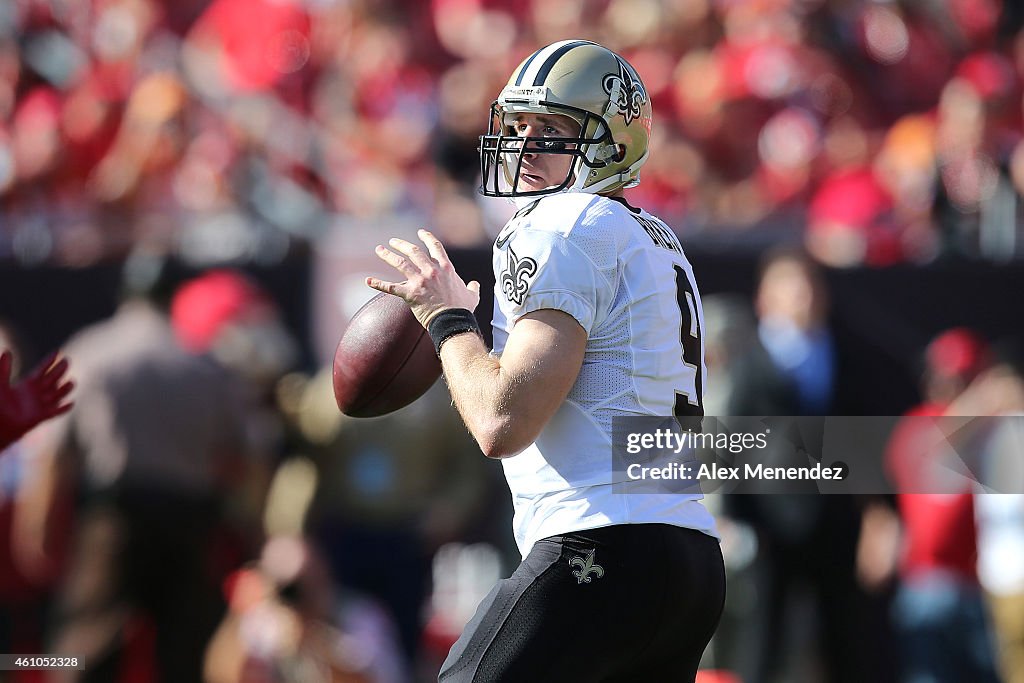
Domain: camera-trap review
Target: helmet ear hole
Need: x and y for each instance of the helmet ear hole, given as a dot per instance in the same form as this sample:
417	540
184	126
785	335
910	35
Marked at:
620	152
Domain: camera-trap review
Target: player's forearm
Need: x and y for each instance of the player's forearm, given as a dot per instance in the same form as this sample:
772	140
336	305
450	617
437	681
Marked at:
487	397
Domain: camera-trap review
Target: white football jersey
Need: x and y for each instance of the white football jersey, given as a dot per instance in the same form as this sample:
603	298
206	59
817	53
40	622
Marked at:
621	273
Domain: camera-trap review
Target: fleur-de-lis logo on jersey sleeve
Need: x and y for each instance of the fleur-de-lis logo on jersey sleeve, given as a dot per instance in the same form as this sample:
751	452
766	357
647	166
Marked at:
515	281
586	568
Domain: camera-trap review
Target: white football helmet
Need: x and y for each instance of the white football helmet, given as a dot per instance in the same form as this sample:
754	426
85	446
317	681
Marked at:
594	86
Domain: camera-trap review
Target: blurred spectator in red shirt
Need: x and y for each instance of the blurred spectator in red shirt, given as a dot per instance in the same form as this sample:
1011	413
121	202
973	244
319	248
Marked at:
938	611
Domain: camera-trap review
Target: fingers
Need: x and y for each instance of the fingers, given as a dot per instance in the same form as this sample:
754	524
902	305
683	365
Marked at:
58	394
50	390
47	377
45	367
55	373
435	247
430	278
50	396
48	361
474	287
54	404
424	261
384	286
415	253
398	262
56	410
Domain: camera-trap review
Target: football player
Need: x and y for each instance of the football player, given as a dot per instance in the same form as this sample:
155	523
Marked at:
596	316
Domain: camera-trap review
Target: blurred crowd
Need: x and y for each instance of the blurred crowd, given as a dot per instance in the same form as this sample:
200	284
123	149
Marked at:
876	132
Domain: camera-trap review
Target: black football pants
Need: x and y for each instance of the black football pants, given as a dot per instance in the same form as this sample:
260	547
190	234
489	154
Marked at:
633	603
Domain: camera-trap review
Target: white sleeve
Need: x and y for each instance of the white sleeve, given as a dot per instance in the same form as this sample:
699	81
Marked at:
545	269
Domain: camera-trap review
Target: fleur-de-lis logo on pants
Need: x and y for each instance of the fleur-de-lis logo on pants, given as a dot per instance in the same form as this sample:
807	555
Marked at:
515	280
586	568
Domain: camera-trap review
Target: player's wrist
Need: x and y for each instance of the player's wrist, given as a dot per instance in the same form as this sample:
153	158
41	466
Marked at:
450	322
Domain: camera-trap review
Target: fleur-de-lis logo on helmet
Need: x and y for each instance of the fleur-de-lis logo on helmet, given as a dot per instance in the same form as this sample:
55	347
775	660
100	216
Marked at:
624	93
586	568
515	279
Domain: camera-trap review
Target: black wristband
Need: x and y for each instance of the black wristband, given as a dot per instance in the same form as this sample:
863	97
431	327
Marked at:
449	323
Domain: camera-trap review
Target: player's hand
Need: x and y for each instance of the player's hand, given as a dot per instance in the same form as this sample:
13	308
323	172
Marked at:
38	397
431	283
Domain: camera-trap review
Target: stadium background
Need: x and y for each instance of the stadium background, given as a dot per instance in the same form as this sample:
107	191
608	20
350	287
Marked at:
283	139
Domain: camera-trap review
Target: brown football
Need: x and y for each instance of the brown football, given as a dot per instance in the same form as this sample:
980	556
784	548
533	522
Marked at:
384	361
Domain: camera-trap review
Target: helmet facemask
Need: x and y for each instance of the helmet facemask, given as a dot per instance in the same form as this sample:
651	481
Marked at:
502	150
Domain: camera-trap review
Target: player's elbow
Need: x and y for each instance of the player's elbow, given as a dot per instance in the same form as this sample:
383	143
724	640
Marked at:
496	445
494	449
498	438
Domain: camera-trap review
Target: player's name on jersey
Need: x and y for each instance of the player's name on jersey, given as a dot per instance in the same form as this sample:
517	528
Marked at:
716	472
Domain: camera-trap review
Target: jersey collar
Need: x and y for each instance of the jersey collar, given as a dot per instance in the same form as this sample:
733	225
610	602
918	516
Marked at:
622	200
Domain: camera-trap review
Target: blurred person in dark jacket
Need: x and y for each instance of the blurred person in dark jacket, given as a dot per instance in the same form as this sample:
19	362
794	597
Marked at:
747	381
806	542
156	446
227	316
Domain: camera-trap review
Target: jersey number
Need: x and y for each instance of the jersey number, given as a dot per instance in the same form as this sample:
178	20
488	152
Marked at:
689	338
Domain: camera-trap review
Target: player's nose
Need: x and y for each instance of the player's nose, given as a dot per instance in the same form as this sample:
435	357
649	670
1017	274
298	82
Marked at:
530	147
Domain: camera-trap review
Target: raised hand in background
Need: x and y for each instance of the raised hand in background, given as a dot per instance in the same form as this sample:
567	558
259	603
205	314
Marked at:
38	397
